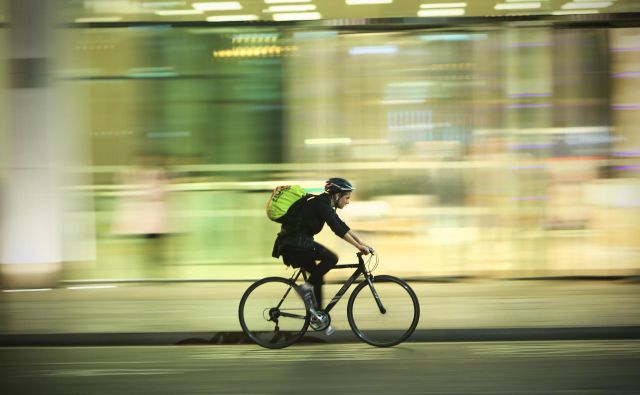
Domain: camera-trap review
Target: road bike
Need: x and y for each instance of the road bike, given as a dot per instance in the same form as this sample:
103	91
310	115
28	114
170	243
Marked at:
382	310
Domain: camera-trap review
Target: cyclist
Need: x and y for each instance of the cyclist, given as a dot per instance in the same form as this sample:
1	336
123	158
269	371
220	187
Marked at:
306	218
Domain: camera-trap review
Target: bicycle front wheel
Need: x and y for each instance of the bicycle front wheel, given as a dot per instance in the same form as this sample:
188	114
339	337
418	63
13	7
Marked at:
272	313
384	312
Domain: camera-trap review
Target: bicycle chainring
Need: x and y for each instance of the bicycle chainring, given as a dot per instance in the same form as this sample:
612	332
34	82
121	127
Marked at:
322	323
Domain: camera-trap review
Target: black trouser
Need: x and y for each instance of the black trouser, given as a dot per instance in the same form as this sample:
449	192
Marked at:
306	259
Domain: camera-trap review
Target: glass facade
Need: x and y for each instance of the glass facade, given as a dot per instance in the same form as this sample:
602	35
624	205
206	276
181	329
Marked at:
478	150
4	79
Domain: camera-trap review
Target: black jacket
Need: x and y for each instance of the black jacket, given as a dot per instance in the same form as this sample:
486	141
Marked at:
305	219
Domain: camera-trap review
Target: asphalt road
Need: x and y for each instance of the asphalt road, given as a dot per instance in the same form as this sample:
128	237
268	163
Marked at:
571	367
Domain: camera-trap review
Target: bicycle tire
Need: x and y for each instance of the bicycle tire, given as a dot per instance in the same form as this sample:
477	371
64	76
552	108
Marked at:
401	317
269	297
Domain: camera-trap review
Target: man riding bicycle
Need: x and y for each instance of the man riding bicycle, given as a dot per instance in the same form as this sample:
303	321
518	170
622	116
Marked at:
305	219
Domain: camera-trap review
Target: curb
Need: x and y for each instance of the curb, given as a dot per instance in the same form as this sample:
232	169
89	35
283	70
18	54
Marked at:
343	336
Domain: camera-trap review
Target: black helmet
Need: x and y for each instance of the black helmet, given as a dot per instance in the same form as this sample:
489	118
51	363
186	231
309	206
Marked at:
336	185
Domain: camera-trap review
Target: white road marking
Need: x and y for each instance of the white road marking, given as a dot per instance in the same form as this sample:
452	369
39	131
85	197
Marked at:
92	287
117	372
101	362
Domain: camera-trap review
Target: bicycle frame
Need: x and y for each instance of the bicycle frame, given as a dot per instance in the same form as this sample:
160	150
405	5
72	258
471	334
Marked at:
360	269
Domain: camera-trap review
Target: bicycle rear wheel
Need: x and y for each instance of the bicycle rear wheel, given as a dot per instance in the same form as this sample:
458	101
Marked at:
272	313
387	321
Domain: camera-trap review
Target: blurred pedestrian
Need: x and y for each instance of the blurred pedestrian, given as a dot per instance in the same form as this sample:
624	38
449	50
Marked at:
142	209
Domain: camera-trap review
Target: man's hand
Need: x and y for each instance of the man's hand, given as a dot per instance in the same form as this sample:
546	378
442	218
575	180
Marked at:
365	249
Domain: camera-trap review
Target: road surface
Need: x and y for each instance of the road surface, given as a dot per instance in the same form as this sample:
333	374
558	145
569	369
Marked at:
562	367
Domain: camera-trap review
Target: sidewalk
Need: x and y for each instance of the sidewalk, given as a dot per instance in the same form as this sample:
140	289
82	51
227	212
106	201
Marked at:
170	313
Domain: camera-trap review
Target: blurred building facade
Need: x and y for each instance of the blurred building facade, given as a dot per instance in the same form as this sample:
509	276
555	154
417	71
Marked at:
493	148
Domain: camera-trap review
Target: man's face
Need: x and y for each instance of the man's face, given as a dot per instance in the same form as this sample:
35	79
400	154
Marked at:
344	200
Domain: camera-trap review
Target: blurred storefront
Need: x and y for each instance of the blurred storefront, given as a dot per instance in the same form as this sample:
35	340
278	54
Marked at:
493	148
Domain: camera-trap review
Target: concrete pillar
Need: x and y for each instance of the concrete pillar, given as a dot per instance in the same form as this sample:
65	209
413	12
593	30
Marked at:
30	197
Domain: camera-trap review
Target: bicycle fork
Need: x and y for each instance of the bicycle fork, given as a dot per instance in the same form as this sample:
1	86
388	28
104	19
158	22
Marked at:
375	295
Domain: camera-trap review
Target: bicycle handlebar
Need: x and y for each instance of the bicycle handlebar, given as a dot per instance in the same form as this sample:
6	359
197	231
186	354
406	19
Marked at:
360	254
371	251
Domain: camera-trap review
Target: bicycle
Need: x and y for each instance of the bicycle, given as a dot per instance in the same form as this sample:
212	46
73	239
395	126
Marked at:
274	317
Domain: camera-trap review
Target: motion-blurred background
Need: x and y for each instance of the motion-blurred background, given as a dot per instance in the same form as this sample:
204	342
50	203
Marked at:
141	139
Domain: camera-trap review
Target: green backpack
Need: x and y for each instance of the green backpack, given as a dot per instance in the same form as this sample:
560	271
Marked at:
281	199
